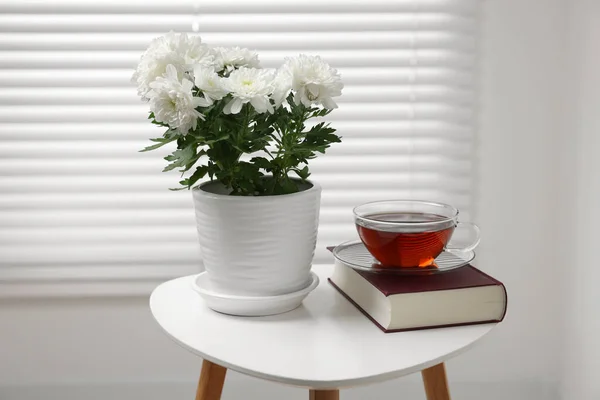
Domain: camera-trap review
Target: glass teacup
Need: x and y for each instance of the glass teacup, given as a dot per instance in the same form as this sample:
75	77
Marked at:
410	233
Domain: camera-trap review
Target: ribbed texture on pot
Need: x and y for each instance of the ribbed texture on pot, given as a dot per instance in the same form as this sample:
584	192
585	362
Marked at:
257	245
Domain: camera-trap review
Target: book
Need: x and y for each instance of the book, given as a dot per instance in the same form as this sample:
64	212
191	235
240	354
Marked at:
465	296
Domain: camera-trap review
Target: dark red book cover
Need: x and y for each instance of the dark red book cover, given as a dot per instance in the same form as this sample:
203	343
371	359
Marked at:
460	278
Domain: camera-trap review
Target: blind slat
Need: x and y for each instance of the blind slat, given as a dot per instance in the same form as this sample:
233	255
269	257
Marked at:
256	22
98	253
157	201
126	131
350	112
115	225
465	7
127	96
334	181
270	59
288	41
402	147
348	164
147	271
352	76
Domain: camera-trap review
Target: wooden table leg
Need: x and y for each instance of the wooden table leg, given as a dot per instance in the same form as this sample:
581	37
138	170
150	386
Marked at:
436	383
324	394
211	381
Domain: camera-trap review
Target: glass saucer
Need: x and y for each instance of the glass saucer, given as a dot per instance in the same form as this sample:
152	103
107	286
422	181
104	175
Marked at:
355	255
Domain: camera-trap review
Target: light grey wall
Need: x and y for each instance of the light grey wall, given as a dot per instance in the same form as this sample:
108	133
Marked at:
581	348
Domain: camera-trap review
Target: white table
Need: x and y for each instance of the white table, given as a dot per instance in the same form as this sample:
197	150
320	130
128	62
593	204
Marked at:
324	345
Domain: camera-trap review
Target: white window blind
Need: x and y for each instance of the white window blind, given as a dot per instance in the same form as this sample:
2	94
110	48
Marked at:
79	204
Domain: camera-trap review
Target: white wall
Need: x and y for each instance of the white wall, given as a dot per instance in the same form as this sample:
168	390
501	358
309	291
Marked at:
522	123
114	344
581	347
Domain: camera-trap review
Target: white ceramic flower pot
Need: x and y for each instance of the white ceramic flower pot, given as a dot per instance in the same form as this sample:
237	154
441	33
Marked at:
257	246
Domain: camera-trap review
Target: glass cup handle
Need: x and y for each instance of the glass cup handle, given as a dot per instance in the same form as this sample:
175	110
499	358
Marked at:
475	233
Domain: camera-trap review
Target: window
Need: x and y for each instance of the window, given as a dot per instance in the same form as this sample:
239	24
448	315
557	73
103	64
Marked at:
79	204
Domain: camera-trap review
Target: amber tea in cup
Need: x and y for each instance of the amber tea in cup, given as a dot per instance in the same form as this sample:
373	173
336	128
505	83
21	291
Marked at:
407	233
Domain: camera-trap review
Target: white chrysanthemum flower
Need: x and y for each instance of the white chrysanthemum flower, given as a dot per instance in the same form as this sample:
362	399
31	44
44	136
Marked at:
179	50
249	85
153	65
230	58
172	101
209	83
314	81
282	85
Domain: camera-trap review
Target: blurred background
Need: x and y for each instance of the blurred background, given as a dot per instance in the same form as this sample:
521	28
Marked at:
488	105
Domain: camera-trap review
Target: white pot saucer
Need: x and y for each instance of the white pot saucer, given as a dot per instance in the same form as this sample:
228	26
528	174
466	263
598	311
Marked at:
251	306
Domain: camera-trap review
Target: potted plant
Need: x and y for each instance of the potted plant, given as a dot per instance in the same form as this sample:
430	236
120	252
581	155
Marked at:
243	144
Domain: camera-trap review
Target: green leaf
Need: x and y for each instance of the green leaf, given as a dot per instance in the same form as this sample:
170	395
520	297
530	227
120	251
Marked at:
285	186
262	162
321	113
153	147
212	167
180	158
247	179
220	138
197	175
320	137
194	160
302	173
159	142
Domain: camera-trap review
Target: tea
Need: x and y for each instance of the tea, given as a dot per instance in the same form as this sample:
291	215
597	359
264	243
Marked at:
410	245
